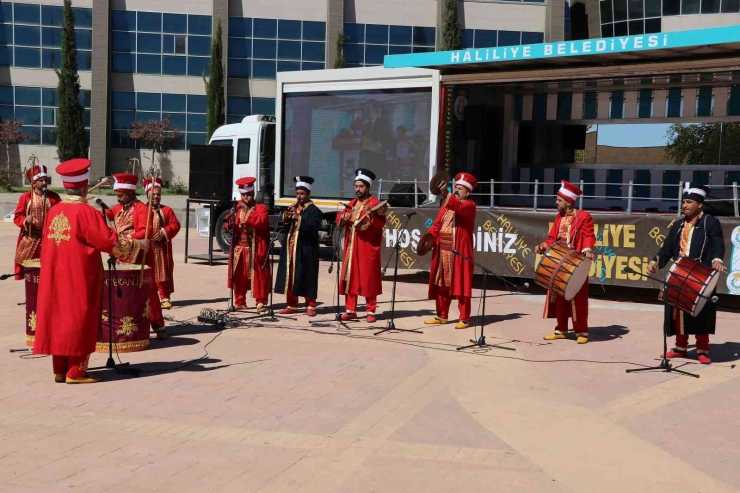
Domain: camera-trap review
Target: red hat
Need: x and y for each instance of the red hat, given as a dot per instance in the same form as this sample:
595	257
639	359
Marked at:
148	183
35	173
125	182
75	173
569	191
246	184
467	180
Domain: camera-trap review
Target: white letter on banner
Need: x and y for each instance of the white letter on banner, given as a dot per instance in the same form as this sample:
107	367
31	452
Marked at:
638	43
514	51
477	56
466	57
455	57
665	40
561	48
526	52
495	54
573	50
600	45
548	50
586	47
653	41
624	42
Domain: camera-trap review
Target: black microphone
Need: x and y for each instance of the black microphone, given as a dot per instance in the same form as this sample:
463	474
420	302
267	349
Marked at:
525	285
412	213
101	204
345	205
714	299
455	252
629	270
331	267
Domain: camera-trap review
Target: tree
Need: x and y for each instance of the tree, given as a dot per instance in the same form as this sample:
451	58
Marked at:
340	61
216	115
10	134
72	140
704	143
155	135
451	35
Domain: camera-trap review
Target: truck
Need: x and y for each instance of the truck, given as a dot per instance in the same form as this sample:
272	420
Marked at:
329	123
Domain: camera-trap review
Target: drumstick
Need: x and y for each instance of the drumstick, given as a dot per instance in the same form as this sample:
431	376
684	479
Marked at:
146	235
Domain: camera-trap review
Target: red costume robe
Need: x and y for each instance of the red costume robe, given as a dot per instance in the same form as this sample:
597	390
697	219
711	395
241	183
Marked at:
130	222
360	273
28	246
579	235
164	221
249	249
451	276
71	285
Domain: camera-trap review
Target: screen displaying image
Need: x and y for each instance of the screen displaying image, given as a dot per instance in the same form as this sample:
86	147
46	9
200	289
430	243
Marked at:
329	135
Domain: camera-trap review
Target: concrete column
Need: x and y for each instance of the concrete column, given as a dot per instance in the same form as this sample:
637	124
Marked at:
334	25
721	95
527	104
555	24
593	13
630	103
659	103
576	111
689	102
99	128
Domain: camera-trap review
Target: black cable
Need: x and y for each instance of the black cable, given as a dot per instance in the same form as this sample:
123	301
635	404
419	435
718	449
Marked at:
187	363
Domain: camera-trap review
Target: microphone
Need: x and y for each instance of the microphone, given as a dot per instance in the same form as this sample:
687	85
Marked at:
5	276
525	286
455	252
629	270
412	213
101	204
345	205
714	299
331	267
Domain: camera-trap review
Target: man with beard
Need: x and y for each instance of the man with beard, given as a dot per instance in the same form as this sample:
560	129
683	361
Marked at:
250	227
165	226
298	271
130	219
30	213
451	276
363	226
576	229
697	235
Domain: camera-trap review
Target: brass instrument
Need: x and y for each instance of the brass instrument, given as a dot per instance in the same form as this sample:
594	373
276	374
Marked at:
439	181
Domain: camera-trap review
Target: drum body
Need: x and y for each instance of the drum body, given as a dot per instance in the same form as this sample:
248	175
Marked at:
562	271
689	283
32	293
130	317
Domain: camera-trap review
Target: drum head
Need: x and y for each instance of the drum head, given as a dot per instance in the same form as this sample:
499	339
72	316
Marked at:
710	286
577	279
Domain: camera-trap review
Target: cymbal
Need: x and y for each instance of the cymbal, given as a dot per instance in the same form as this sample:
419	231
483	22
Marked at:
425	244
437	180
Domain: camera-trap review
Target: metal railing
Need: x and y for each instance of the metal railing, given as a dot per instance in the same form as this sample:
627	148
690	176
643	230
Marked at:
505	196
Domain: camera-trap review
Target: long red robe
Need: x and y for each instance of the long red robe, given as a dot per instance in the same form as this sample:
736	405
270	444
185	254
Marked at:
29	246
361	263
130	222
165	220
71	287
581	234
462	241
251	244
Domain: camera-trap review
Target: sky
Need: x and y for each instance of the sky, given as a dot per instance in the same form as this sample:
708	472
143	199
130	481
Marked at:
632	135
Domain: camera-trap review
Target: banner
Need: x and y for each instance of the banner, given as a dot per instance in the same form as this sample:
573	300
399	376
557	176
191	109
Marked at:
505	242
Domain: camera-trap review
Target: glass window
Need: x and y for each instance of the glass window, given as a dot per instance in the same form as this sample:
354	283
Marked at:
263	106
673	108
314	52
607	30
620	10
123	62
262	69
174	65
123	20
263	48
175	23
485	38
636	27
242	48
645	105
468	38
374	54
312	66
399	50
354	53
197	66
149	64
6	12
539	106
52	59
288	66
48	96
704	102
48	136
376	34
85	98
199	45
636	9
354	33
265	28
27	14
565	105
34	134
710	6
671	7
289	50
239	67
199	24
641	183
196	123
652	25
518	107
180	44
422	49
150	22
52	15
178	120
6	55
148	101
149	43
508	38
530	38
289	29
620	29
614	178
242	151
29	96
670	183
424	36
6	34
606	11
27	36
123	100
314	31
652	8
51	37
197	103
174	102
401	35
240	27
617	104
122	119
690	6
195	139
239	105
6	112
123	41
84	60
590	105
147	116
121	140
27	57
730	6
84	39
83	17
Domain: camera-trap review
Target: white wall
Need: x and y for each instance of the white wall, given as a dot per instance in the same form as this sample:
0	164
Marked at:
200	7
505	16
395	12
685	22
307	10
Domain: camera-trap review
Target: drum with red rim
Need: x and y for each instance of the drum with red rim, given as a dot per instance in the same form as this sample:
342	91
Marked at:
562	270
689	284
130	316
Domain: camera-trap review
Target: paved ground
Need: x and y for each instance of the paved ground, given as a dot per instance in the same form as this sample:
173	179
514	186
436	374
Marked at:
295	407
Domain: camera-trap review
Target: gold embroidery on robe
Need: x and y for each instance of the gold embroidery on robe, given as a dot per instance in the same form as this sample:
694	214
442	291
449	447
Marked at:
59	229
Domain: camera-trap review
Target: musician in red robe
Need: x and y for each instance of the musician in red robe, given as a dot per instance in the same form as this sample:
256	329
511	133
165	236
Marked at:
360	275
250	227
33	206
576	229
71	281
451	276
129	218
165	227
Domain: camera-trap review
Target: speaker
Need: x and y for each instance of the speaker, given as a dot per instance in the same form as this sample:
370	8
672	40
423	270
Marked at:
211	172
719	202
402	195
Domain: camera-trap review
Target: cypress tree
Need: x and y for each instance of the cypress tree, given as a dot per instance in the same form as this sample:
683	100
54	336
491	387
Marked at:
215	86
340	61
451	35
70	130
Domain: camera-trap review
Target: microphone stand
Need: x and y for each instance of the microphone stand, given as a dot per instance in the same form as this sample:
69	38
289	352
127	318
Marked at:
391	324
336	299
481	341
665	365
234	213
